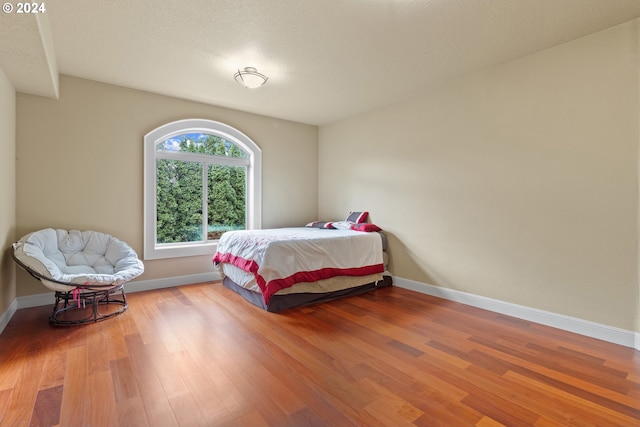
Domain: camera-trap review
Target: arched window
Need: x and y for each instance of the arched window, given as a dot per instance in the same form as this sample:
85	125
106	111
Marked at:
201	178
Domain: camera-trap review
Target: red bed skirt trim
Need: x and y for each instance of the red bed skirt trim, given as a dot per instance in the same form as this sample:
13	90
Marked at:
268	289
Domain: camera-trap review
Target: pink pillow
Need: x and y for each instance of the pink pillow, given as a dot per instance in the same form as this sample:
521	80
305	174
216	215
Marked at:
365	227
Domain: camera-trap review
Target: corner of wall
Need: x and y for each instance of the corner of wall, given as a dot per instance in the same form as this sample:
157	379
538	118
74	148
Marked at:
636	25
7	196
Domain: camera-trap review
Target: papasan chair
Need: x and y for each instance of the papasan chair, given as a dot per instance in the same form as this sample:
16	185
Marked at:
86	269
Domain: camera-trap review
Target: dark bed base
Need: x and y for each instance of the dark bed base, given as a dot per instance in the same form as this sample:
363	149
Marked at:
279	303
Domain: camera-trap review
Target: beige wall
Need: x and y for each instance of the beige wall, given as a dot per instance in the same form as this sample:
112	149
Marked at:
7	190
80	165
517	183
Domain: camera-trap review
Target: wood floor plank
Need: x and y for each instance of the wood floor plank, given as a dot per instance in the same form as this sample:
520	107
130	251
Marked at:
166	370
577	406
187	411
501	409
265	382
210	403
25	390
72	406
572	380
102	409
329	387
205	364
315	402
99	355
302	360
156	404
5	395
131	413
439	399
253	418
389	406
46	410
488	422
438	406
125	386
55	361
12	354
420	368
199	355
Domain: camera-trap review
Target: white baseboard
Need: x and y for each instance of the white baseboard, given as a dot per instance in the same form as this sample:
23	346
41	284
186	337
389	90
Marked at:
28	301
168	282
8	314
560	321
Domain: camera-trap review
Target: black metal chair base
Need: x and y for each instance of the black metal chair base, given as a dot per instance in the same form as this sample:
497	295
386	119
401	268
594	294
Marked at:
88	306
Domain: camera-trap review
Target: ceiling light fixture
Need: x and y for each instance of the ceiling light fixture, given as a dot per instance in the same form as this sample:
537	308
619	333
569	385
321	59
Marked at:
250	78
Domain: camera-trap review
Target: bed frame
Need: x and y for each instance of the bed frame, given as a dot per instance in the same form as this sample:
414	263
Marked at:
279	303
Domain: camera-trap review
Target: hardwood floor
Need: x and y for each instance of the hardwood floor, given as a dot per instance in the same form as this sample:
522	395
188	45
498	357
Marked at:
199	355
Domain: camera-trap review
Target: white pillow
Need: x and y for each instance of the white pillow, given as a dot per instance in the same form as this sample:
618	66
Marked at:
343	225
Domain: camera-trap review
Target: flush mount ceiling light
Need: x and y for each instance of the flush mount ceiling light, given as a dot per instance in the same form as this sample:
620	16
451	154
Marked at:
250	78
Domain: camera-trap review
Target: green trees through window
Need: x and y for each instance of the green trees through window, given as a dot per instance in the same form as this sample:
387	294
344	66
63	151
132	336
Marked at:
199	176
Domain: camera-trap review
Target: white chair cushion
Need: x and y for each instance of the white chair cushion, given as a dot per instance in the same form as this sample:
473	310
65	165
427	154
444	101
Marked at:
78	257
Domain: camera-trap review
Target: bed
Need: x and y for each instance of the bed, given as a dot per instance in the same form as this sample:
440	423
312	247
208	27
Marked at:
281	268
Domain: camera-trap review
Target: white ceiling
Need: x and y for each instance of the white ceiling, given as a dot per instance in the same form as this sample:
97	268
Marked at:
326	59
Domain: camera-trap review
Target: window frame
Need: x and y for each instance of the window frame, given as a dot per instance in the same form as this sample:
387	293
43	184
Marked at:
153	250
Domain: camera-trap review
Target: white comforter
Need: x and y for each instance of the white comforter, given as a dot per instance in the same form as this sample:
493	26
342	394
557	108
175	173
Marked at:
282	257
